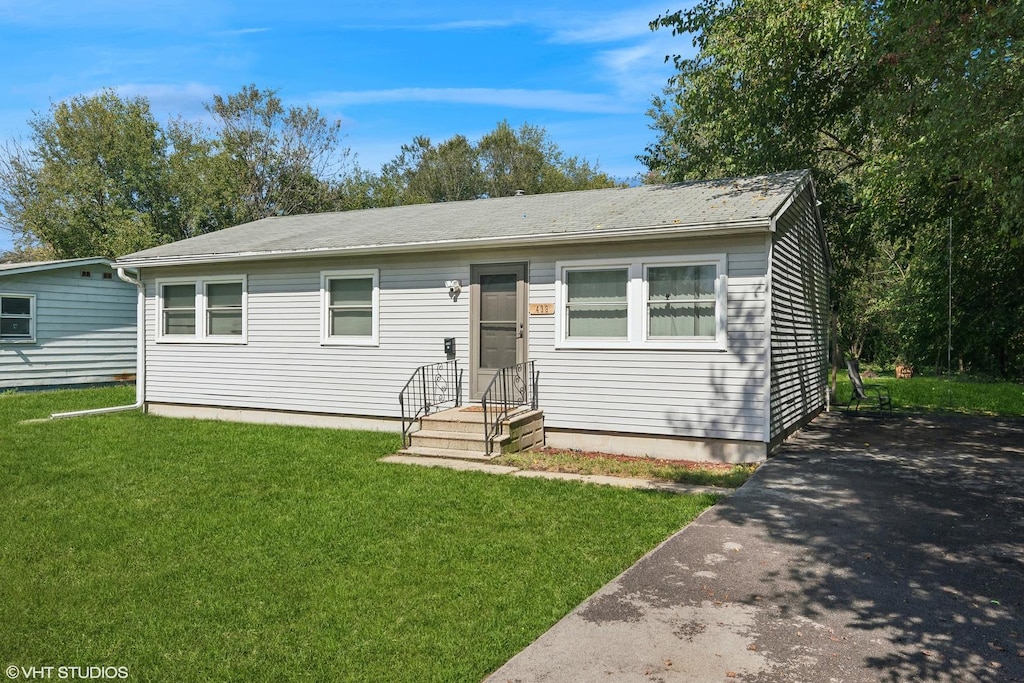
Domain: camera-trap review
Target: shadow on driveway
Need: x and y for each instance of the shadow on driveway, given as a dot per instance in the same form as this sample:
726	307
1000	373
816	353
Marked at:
867	549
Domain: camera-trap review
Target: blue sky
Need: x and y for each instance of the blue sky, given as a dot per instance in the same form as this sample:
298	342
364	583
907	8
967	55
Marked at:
390	71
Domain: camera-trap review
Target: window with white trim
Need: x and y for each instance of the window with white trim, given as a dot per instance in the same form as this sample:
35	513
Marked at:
670	302
596	303
17	317
203	309
350	302
224	312
681	301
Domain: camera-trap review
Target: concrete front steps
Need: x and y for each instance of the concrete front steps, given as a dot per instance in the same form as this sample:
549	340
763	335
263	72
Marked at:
459	433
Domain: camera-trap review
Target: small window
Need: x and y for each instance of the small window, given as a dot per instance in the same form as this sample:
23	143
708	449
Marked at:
596	303
350	301
86	273
179	309
108	276
17	317
224	309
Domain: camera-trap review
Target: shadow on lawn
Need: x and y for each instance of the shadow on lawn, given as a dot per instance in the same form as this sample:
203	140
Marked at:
915	525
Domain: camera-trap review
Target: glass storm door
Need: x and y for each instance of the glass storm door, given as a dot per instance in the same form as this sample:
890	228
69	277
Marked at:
498	334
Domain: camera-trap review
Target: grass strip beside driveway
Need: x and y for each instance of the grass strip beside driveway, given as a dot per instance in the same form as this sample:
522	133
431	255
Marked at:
189	550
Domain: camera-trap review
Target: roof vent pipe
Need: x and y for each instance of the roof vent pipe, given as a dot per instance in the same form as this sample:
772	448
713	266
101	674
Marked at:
519	193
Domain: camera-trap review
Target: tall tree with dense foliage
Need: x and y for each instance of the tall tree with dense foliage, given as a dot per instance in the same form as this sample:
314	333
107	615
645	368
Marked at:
282	159
910	115
500	163
99	175
93	179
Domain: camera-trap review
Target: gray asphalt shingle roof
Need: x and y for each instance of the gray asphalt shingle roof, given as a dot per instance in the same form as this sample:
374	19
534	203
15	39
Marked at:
587	214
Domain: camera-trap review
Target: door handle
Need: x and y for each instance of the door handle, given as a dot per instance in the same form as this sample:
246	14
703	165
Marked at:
519	335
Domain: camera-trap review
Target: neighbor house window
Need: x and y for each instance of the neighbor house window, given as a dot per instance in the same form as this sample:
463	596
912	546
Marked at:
659	302
17	317
350	301
204	309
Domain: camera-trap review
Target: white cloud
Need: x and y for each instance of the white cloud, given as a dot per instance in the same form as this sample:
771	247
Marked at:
640	70
606	28
464	25
554	100
241	31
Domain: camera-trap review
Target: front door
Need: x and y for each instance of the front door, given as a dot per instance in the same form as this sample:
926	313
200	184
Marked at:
498	319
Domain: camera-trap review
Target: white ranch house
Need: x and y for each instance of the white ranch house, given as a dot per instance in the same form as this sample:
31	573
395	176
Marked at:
681	321
65	323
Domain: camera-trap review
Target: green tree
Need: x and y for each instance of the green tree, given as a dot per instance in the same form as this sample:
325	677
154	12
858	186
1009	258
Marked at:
93	180
99	175
909	114
281	160
527	159
500	163
446	172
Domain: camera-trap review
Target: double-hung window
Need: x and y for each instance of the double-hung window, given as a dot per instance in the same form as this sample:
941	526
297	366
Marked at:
17	318
203	309
670	302
596	303
681	301
224	312
350	302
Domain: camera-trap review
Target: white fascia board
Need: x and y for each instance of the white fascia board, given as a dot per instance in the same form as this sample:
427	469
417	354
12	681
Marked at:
54	265
625	234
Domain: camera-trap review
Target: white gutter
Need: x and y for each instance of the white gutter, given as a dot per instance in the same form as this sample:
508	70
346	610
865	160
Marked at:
140	356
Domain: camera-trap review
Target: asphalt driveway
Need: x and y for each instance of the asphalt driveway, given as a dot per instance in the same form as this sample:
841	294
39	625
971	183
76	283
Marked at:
867	549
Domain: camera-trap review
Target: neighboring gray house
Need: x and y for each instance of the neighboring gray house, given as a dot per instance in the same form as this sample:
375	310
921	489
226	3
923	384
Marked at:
686	320
65	323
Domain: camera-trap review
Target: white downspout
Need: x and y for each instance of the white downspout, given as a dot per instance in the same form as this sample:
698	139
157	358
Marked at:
140	355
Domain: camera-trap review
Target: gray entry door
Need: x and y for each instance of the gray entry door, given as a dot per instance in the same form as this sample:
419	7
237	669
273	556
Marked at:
498	335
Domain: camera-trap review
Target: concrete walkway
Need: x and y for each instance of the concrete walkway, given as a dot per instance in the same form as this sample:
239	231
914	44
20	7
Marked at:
868	549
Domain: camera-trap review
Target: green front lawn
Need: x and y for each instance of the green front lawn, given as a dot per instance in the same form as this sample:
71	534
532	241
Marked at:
189	550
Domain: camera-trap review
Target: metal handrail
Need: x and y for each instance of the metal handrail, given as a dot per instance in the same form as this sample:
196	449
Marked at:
510	388
429	387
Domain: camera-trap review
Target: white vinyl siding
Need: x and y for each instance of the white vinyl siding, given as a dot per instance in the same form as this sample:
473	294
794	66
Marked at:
17	318
83	329
799	319
696	393
285	366
206	309
350	302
